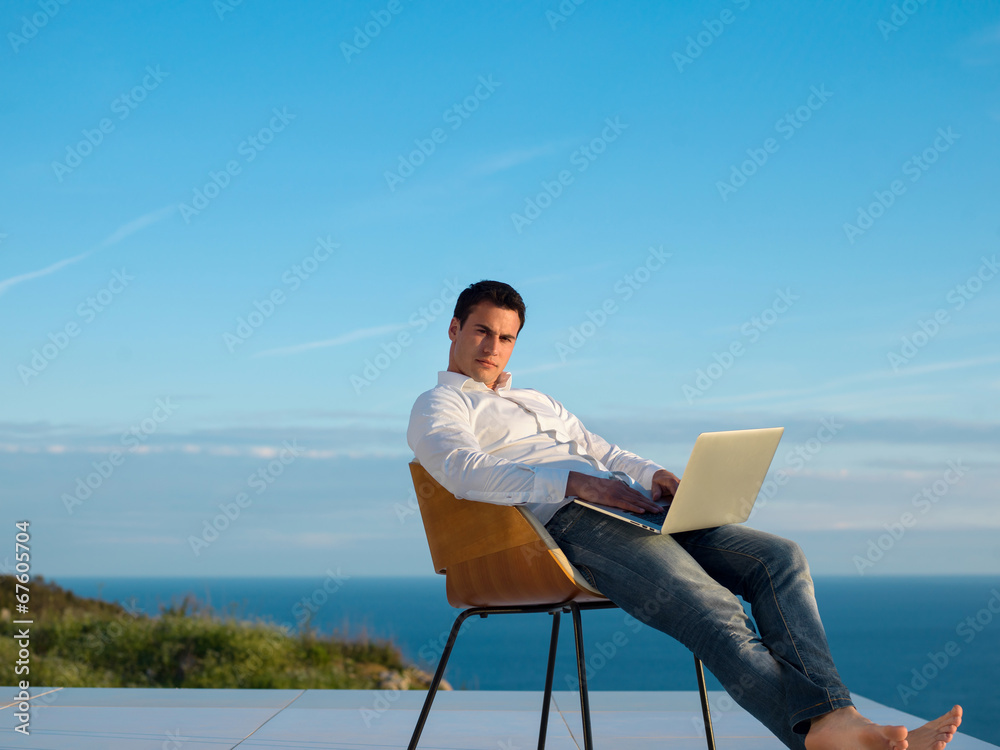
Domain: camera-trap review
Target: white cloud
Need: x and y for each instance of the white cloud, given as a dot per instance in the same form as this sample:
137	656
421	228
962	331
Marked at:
117	236
136	224
864	377
15	280
514	157
347	338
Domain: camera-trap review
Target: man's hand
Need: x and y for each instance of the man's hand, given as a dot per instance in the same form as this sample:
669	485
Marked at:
665	485
612	492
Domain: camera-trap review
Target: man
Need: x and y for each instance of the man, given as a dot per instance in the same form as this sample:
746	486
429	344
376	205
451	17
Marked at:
486	441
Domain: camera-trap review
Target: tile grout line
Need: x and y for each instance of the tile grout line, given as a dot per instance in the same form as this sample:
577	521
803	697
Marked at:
569	730
36	695
264	723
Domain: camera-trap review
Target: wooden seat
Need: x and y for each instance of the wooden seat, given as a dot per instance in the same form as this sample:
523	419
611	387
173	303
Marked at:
498	559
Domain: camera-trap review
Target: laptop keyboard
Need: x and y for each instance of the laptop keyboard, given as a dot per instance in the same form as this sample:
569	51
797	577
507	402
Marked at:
657	518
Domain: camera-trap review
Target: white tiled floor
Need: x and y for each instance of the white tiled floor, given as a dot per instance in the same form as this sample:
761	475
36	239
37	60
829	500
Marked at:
134	719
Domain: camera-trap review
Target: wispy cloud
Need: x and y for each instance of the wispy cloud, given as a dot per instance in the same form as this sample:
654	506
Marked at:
982	48
514	157
116	236
15	280
570	273
347	338
865	377
552	366
136	224
990	35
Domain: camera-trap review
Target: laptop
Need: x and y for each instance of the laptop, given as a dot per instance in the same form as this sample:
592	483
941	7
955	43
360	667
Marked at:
719	486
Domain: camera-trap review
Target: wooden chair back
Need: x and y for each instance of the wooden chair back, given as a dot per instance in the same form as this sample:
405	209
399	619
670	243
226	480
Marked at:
494	555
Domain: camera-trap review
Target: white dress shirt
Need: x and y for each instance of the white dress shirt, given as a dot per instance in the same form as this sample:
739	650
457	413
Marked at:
511	446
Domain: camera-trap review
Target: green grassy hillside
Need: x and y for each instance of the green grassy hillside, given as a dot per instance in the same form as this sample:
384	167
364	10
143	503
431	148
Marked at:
79	642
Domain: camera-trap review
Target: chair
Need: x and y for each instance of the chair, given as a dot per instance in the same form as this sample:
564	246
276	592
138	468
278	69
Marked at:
499	559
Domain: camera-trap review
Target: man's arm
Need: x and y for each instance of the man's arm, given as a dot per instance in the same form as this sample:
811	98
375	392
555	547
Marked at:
610	492
661	482
441	437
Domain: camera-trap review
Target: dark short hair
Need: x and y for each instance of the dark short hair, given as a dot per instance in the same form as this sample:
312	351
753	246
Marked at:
500	294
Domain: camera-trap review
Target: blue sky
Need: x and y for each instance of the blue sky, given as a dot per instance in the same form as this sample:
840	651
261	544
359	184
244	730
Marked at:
230	236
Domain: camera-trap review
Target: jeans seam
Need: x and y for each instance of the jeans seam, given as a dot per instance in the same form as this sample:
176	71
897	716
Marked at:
653	584
588	574
777	603
829	702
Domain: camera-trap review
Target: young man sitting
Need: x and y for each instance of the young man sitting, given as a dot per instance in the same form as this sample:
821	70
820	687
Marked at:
486	441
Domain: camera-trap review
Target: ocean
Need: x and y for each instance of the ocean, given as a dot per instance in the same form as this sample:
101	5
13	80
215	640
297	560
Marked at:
916	644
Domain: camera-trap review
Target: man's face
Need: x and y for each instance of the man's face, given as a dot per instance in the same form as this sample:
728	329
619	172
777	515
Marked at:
481	348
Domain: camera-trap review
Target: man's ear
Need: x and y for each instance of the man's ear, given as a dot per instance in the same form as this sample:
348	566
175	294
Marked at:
453	328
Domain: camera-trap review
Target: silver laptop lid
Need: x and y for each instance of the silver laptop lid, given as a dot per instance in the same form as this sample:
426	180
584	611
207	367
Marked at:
722	478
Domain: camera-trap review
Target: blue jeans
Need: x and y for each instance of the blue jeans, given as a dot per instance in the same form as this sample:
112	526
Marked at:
686	585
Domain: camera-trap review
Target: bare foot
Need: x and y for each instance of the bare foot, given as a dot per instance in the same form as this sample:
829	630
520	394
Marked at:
934	735
846	729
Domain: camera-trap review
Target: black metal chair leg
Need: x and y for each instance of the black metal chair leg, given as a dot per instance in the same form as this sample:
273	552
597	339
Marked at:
548	681
705	711
438	675
581	668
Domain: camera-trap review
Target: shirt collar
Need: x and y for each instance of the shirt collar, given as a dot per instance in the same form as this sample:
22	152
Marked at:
465	383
